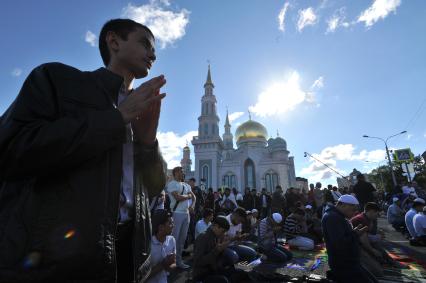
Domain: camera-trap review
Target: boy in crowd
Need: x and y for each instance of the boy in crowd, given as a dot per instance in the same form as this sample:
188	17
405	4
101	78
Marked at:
163	247
418	205
205	222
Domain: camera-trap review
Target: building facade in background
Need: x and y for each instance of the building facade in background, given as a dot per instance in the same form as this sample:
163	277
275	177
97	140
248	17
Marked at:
256	161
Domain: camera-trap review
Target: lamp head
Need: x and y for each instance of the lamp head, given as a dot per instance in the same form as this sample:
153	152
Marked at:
365	136
403	132
304	154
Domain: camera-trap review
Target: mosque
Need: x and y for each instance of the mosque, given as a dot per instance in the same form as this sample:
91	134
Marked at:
257	162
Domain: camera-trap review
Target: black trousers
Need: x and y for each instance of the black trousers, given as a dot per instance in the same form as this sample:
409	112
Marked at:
124	253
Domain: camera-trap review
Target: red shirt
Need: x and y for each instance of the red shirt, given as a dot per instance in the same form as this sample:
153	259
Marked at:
360	219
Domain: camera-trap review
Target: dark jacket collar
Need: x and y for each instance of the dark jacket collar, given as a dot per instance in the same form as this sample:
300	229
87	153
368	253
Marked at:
333	209
110	82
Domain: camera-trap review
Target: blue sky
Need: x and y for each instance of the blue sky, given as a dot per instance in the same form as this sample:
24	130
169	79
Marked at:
322	73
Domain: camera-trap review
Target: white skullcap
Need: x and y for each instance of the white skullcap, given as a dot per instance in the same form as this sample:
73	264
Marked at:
308	206
254	210
419	200
248	212
239	197
395	199
348	199
277	217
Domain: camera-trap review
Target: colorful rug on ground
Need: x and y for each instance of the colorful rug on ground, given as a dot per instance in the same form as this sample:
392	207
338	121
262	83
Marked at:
414	271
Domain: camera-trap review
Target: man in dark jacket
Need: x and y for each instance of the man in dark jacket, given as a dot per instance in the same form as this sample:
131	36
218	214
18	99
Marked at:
364	191
78	160
209	247
342	241
278	202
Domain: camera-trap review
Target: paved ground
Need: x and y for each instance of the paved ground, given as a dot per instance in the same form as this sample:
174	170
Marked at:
414	258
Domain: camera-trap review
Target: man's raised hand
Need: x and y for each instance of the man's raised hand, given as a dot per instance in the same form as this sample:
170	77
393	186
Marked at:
142	98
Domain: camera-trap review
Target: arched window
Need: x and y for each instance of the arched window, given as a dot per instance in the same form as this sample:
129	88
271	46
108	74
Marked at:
205	175
249	174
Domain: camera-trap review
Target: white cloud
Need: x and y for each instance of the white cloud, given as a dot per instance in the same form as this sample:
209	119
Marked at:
318	83
281	17
332	154
282	97
168	26
380	9
90	38
234	116
16	72
337	20
172	144
307	17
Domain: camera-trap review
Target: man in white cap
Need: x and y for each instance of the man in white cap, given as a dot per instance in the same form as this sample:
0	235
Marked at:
418	205
268	229
395	215
342	241
420	227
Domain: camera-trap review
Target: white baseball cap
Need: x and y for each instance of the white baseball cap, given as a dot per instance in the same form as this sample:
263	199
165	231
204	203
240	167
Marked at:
254	210
277	217
308	206
395	199
348	199
419	200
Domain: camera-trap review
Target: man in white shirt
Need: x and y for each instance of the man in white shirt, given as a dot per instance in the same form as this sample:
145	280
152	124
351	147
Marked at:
235	235
181	201
419	222
163	247
409	216
205	222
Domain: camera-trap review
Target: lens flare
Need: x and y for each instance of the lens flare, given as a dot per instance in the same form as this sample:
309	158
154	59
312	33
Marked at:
69	234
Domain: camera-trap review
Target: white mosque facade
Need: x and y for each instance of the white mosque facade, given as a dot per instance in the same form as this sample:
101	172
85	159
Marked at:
256	162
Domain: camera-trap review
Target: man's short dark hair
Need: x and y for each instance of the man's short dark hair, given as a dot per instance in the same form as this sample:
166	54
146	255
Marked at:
222	222
176	169
159	217
299	211
207	212
121	27
241	212
371	206
360	176
192	179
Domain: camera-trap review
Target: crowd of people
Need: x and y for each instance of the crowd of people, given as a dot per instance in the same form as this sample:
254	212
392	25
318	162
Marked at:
230	227
84	197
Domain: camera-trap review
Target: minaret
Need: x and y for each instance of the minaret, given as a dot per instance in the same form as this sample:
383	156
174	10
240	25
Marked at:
227	136
208	122
186	161
208	145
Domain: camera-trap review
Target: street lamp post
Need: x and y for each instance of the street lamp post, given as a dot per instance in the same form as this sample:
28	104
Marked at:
310	155
387	152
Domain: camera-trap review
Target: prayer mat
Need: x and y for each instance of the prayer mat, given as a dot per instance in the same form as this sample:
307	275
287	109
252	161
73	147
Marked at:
414	271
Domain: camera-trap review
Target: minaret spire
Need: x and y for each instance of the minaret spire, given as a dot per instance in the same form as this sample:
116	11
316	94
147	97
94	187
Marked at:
209	79
227	119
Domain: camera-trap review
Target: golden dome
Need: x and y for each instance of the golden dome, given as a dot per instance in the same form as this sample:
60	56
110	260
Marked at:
250	130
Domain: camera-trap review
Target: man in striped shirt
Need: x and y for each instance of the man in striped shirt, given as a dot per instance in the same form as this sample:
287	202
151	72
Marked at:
294	227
